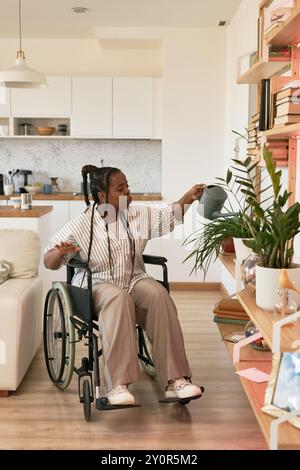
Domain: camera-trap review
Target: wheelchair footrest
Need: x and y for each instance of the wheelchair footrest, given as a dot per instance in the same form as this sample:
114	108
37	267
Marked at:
103	404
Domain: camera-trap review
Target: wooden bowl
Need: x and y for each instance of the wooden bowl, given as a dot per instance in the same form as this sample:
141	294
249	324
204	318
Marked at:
45	130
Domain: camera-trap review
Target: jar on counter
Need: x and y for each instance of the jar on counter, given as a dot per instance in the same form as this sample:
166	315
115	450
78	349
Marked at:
54	184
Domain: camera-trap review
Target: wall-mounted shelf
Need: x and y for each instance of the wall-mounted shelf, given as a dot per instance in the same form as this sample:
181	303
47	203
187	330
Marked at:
229	263
290	130
289	435
264	322
261	70
288	33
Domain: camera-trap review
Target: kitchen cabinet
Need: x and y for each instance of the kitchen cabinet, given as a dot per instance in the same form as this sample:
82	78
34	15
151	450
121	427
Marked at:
92	107
133	108
51	101
157	108
60	213
4	102
76	208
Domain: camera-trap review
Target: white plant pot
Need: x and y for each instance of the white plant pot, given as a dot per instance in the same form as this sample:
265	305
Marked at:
241	251
267	285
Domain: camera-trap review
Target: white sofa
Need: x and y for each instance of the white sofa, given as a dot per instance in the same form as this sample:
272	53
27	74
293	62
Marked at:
20	306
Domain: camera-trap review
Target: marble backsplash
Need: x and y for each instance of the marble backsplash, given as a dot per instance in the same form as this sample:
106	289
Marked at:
140	160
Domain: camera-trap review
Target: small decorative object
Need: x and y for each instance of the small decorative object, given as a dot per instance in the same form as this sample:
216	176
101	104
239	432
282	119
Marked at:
26	201
45	130
283	392
25	128
248	270
62	129
54	184
47	188
16	200
259	344
285	305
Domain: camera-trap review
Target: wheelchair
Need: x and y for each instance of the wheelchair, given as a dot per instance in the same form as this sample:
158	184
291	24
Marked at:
69	318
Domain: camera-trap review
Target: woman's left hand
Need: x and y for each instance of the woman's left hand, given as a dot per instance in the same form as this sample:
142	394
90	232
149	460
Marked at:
196	192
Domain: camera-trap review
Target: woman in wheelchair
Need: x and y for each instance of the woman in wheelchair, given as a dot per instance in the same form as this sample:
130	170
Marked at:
111	236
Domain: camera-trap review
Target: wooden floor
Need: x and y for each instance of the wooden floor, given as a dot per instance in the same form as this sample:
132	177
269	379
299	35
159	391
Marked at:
38	416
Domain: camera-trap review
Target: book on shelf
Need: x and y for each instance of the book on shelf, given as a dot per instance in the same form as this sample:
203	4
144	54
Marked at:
295	99
278	143
288	92
287	119
230	303
287	108
230	321
279	153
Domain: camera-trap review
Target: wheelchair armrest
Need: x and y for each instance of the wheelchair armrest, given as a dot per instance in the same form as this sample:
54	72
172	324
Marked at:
151	259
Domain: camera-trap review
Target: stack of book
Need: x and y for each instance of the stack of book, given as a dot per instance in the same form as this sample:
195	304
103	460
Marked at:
252	131
229	310
280	54
287	107
280	150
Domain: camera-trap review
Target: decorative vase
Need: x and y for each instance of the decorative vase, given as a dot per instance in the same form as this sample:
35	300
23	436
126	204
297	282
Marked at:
259	344
241	251
267	284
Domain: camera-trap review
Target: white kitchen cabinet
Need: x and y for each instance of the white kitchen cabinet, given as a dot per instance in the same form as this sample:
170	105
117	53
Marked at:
92	107
157	109
51	101
60	213
4	101
133	108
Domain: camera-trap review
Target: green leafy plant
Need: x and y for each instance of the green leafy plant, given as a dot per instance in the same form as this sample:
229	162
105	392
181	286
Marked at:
207	241
263	219
272	224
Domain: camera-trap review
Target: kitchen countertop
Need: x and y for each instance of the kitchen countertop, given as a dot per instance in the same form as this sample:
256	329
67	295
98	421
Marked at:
35	212
79	197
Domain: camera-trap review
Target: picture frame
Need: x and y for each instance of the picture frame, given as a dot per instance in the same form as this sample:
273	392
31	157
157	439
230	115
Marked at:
283	391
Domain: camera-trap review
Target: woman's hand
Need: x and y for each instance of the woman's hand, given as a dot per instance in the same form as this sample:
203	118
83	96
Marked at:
65	248
54	257
181	206
195	192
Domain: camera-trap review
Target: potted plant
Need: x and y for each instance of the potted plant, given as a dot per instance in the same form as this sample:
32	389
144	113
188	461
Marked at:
273	227
207	241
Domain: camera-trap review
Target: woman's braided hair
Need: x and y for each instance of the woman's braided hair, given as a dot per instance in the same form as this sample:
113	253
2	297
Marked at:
99	182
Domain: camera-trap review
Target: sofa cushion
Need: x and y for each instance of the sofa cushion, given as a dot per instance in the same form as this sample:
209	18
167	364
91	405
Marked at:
21	249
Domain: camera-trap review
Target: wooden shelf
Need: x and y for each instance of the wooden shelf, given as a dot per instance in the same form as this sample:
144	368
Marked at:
288	34
262	70
264	321
229	263
290	130
289	436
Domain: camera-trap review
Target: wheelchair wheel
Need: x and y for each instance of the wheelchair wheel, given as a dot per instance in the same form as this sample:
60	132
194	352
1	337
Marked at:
59	336
86	400
145	349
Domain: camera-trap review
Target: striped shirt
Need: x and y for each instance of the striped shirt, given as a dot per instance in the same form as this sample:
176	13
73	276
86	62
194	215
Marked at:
144	223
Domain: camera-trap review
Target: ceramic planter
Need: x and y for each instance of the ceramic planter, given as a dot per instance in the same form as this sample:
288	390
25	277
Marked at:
267	285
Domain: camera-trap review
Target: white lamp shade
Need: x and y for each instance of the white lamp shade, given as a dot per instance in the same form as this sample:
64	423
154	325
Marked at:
22	76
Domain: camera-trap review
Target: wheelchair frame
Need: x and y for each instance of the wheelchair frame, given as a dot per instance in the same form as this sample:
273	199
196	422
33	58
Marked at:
77	299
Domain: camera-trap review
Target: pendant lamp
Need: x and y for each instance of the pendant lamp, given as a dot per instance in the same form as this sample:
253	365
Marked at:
20	75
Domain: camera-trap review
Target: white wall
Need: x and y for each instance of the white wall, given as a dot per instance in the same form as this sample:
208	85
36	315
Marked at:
81	57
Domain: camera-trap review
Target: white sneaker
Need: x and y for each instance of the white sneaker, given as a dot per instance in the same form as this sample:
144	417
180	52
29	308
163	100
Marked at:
120	396
182	388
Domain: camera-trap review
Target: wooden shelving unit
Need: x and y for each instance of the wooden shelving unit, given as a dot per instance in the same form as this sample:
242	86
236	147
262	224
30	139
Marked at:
290	130
288	33
262	70
289	436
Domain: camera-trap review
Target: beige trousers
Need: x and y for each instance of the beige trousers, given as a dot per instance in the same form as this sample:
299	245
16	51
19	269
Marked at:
151	307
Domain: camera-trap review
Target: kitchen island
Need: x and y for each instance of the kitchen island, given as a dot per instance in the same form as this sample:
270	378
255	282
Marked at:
38	219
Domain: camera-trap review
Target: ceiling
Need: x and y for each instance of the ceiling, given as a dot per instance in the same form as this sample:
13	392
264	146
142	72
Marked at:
54	18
